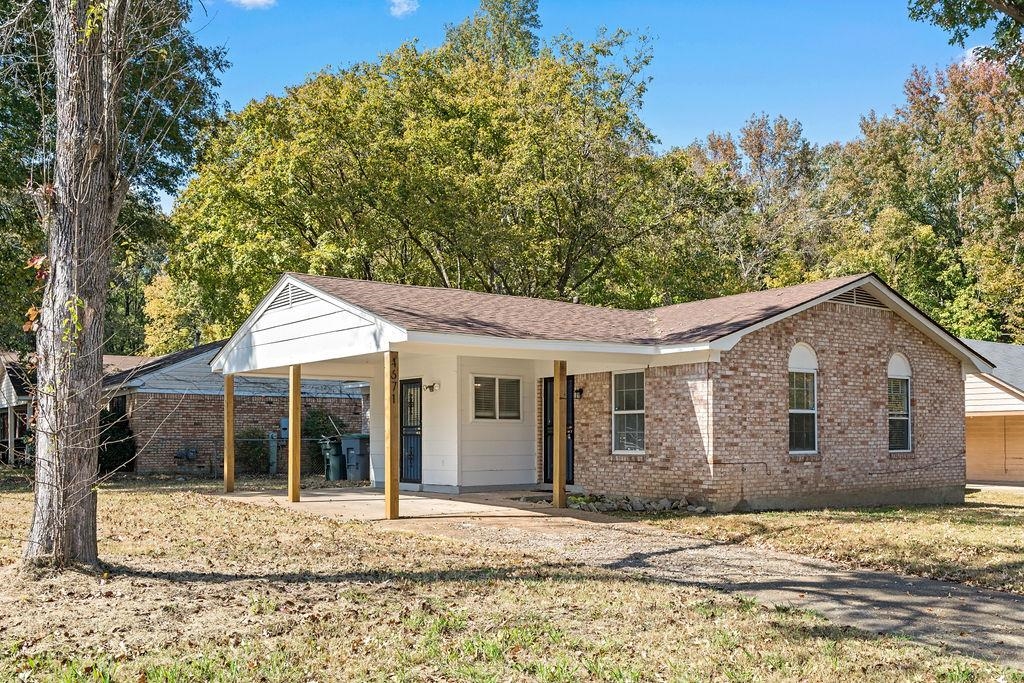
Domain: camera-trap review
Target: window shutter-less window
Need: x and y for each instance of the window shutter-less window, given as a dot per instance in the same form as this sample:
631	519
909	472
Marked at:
508	399
484	393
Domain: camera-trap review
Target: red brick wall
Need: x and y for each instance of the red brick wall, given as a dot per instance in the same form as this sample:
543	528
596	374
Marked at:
164	423
718	432
853	346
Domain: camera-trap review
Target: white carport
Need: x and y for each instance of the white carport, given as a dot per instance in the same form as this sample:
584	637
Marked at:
331	328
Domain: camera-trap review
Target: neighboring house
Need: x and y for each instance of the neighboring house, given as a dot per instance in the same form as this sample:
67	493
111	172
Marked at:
16	400
837	392
175	407
995	415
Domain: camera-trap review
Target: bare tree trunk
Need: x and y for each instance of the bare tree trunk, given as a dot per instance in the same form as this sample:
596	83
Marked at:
79	212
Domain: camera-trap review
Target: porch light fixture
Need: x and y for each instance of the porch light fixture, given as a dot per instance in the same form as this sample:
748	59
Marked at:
433	387
578	393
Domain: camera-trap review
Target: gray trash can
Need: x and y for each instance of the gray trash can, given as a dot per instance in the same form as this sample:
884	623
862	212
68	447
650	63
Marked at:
357	456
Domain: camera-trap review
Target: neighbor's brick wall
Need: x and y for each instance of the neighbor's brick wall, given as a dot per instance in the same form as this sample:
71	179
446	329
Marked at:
748	438
853	346
164	423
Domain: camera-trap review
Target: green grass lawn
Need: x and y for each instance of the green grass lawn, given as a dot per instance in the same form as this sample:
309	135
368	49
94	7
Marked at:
205	589
980	543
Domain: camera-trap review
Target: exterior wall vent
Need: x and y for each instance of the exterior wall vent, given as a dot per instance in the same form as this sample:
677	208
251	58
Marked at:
859	297
290	296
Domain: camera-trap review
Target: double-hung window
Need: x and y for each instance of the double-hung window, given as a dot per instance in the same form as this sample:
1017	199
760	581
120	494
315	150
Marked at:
628	412
898	390
496	398
803	400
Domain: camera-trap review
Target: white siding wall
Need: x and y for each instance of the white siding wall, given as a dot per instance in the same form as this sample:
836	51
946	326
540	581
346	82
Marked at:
440	418
377	390
497	452
982	397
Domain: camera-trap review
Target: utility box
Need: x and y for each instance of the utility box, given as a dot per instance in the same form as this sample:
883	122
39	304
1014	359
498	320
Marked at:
356	448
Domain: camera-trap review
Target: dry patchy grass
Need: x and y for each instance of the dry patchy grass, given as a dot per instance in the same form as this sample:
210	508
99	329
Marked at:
206	589
979	543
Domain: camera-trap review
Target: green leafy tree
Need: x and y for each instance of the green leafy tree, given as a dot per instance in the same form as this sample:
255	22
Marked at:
170	96
964	17
494	163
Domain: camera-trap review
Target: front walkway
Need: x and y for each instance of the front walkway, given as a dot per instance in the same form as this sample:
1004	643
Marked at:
984	623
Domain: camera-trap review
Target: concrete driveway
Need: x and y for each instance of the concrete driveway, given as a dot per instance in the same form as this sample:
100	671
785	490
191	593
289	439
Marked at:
983	623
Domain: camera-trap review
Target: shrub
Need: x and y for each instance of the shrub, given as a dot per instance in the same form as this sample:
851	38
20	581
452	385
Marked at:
252	452
117	443
317	422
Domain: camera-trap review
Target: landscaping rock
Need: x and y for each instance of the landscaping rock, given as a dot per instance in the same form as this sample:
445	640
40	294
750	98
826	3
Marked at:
636	505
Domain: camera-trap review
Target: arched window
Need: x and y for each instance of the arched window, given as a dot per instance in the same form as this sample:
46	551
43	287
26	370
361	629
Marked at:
803	400
900	427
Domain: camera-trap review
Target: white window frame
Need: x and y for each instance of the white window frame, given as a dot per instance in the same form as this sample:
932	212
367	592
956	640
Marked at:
497	400
909	418
804	411
643	373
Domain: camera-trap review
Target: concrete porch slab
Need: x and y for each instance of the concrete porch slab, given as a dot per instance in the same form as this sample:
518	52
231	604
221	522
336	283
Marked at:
366	504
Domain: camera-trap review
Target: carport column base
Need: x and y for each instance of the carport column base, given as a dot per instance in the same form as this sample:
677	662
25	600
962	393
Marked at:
391	434
559	437
294	432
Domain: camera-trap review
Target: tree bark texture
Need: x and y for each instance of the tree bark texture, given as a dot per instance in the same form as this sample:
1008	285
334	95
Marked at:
78	211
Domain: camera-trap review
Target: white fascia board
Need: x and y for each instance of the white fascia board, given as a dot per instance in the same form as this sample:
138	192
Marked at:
546	345
388	332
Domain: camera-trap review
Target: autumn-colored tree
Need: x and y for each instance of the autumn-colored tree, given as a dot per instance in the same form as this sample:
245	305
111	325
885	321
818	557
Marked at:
930	197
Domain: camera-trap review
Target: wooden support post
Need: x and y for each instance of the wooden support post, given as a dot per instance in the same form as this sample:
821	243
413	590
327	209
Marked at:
559	438
392	442
229	433
294	431
12	428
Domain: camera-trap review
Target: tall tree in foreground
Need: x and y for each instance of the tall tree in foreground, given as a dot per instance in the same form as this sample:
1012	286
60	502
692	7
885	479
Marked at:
119	74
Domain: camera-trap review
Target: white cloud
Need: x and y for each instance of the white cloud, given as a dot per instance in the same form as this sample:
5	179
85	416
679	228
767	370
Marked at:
971	56
254	4
402	8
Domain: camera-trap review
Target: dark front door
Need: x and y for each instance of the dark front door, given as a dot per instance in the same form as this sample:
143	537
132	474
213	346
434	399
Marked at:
411	466
549	426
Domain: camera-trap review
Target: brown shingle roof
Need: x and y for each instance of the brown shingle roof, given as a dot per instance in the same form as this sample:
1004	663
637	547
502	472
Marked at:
457	311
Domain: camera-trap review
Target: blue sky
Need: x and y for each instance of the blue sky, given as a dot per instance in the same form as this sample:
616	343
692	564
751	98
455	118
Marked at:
715	63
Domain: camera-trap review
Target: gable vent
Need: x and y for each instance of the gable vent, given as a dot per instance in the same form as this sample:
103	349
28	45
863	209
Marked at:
290	296
859	297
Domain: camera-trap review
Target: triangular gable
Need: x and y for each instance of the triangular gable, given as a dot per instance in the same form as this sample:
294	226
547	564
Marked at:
871	291
298	323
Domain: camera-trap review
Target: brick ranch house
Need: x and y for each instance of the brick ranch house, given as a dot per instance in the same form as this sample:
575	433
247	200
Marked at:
173	405
17	400
836	392
995	416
